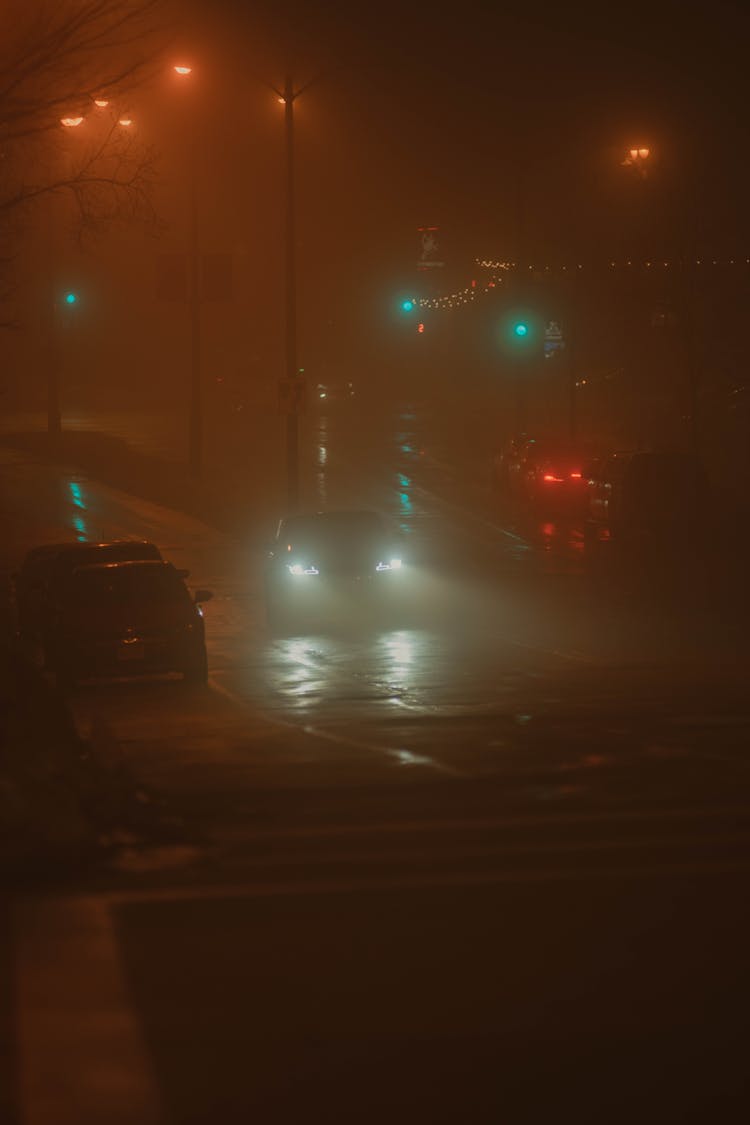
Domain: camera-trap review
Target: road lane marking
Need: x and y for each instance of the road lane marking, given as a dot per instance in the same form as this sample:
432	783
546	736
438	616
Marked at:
252	890
401	756
82	1060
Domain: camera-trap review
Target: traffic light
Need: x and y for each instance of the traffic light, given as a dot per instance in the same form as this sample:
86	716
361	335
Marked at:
71	298
521	335
408	305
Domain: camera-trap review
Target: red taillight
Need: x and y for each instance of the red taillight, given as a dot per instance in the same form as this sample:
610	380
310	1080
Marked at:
575	476
552	477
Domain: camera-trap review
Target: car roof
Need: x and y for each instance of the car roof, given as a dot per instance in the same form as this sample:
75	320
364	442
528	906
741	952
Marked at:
125	564
334	518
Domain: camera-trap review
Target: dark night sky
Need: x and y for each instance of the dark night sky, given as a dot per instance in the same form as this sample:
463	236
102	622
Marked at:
503	124
447	114
433	113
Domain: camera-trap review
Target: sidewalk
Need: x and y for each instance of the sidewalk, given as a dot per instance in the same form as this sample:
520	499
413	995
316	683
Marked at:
240	484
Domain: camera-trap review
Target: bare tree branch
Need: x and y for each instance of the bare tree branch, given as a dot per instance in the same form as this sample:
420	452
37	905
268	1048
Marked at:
56	56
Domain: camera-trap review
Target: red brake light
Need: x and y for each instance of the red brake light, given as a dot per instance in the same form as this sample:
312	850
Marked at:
552	477
575	476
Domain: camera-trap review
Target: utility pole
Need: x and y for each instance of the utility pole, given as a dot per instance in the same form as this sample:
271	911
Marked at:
292	418
195	419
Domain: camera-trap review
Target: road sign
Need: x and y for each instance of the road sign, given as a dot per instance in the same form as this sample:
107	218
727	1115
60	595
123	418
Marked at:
553	339
292	396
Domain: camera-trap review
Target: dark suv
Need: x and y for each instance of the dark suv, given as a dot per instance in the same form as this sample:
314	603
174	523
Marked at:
125	619
45	570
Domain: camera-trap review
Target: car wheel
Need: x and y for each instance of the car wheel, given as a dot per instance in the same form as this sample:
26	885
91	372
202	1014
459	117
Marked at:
196	672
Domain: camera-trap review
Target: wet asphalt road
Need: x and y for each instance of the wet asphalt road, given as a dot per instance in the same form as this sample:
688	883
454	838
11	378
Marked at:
483	858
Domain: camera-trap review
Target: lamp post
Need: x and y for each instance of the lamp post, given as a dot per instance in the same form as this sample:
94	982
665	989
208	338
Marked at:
53	299
638	158
288	97
195	408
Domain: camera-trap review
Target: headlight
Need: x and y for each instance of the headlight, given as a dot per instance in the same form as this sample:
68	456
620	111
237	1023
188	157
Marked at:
298	569
392	564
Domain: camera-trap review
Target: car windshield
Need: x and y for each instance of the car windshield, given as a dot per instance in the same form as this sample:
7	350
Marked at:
113	585
332	531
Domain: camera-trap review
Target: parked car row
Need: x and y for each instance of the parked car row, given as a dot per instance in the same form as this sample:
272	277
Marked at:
637	501
108	609
541	472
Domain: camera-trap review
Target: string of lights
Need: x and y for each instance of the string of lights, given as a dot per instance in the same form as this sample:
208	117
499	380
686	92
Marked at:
497	268
461	297
628	263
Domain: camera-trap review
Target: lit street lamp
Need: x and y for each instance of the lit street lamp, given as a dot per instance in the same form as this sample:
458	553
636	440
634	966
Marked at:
287	97
195	417
57	305
638	158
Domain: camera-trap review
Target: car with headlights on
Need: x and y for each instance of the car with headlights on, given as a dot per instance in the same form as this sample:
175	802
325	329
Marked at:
126	619
323	563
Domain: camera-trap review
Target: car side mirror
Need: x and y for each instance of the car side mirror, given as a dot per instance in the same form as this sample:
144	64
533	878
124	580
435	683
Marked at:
202	596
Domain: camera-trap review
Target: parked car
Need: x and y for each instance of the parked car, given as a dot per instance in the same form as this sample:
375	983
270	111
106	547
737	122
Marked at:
543	472
321	563
46	568
125	619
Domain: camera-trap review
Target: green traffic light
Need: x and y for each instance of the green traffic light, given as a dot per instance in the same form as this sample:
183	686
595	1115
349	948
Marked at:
71	298
407	305
521	330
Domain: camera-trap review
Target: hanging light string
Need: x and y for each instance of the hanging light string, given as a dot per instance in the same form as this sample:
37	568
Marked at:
496	269
470	293
625	263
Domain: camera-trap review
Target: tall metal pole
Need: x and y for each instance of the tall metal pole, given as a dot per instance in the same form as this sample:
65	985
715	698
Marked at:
54	413
292	421
195	420
55	218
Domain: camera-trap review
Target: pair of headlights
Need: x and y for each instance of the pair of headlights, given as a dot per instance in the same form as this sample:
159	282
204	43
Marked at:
298	569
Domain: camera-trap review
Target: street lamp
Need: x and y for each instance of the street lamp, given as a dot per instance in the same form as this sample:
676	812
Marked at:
287	97
69	299
195	418
638	158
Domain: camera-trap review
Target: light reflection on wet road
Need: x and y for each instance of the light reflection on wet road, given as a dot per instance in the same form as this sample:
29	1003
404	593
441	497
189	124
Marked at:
494	632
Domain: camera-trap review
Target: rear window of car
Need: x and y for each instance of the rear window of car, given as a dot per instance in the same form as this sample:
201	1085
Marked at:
126	585
69	560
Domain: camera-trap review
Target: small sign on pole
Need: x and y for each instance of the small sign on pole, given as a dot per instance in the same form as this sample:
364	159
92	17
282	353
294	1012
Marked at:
553	339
